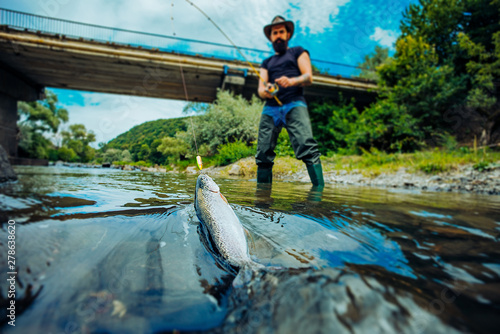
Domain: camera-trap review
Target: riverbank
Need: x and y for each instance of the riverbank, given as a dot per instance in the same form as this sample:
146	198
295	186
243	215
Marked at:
465	177
462	178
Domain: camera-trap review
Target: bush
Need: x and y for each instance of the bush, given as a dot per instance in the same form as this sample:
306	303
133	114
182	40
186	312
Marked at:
284	146
232	152
67	154
387	127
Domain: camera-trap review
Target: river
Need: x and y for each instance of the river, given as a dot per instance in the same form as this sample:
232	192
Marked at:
111	251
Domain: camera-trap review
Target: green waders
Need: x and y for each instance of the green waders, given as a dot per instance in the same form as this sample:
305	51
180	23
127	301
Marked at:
304	146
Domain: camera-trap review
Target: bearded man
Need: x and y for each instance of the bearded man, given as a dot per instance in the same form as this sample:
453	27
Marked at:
284	74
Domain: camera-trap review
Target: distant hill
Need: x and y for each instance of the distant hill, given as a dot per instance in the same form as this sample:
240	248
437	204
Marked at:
147	133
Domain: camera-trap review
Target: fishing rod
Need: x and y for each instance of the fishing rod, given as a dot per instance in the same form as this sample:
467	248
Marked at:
273	90
198	157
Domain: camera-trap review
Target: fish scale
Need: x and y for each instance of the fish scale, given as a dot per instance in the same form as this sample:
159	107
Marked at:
221	223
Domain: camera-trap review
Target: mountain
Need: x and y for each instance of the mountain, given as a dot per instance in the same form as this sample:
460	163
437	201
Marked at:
146	133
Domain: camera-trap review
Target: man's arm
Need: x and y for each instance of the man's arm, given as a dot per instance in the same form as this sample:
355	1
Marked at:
306	77
263	93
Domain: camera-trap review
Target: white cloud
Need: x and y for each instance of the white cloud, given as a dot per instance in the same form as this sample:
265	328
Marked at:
243	21
316	16
384	37
110	115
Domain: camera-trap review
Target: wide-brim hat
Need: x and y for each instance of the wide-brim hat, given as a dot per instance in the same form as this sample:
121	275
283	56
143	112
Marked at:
277	21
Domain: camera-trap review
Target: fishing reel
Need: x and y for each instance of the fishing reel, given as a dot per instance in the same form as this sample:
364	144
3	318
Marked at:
273	89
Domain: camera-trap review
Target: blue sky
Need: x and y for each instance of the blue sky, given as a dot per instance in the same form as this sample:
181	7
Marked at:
339	31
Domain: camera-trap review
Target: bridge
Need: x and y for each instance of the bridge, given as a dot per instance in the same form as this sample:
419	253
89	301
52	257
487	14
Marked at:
38	52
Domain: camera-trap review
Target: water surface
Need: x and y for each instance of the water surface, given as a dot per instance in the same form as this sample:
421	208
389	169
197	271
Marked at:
103	250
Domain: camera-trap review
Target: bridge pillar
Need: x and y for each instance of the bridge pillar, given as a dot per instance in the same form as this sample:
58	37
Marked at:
8	124
13	88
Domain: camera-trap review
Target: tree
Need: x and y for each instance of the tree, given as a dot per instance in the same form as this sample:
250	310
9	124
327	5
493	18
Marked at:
368	68
111	155
78	139
415	80
174	149
445	63
37	119
331	123
229	119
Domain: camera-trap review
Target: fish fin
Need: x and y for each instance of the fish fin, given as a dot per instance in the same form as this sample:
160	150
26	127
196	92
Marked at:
249	237
246	273
225	200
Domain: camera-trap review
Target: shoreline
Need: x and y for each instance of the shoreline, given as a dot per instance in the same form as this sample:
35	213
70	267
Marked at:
463	179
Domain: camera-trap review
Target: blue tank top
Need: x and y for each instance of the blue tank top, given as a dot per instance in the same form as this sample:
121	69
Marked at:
286	64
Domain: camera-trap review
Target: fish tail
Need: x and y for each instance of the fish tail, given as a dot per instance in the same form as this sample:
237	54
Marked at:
250	270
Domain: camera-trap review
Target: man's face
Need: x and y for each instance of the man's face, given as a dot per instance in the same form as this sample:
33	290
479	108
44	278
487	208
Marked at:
279	31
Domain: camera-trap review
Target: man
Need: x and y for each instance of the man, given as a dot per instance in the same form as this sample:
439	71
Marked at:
290	69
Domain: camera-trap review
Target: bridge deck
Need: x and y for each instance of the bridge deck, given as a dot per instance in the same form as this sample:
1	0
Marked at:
57	61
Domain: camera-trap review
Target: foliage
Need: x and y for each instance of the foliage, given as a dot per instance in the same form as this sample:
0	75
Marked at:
384	125
483	67
229	119
331	123
375	162
458	44
368	68
66	154
173	149
111	155
37	119
78	140
232	152
416	81
146	133
283	145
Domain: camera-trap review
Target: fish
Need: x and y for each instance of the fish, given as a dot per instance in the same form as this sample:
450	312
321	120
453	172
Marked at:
224	235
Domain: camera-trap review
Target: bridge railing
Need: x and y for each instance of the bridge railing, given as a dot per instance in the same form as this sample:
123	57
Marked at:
32	22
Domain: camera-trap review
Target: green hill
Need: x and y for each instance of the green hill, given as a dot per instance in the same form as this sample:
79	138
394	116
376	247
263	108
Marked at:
147	133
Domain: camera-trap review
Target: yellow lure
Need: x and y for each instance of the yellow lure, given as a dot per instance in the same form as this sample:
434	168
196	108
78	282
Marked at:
200	164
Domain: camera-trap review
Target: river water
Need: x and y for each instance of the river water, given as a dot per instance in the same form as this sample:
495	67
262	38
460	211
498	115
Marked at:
111	251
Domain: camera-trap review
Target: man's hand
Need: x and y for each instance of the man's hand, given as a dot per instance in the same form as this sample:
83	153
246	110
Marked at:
265	92
285	81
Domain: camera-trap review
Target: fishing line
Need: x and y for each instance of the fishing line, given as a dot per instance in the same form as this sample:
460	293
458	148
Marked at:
235	46
198	157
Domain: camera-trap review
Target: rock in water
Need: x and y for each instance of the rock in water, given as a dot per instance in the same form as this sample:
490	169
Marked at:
6	171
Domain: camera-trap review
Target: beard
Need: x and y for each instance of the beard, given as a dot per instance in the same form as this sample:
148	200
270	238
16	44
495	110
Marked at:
280	46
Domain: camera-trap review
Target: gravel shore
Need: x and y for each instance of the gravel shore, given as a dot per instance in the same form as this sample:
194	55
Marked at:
463	179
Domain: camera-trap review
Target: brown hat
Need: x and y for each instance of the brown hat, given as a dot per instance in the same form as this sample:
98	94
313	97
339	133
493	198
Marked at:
276	21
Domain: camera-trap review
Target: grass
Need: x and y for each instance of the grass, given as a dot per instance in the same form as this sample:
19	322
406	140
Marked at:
369	164
430	162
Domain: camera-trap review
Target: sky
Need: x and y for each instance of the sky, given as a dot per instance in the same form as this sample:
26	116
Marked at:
338	31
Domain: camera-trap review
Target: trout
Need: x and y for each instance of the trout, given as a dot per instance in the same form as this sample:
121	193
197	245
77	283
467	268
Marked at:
223	232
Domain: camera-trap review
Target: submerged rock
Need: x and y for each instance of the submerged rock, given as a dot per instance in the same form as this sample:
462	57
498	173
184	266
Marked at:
326	301
6	171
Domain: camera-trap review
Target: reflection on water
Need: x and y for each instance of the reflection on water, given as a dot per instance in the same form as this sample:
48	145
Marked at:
102	250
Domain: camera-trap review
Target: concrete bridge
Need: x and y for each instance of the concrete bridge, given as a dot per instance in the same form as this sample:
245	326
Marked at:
31	60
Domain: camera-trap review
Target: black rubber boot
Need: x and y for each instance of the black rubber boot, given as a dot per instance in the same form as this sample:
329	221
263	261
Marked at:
316	174
264	175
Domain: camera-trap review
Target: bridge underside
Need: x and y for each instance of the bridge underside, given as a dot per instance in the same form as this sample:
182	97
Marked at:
30	61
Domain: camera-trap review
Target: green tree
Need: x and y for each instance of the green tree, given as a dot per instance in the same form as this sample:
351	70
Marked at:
229	119
78	139
331	123
444	62
415	80
111	155
174	149
36	120
66	154
126	156
144	153
156	156
368	68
